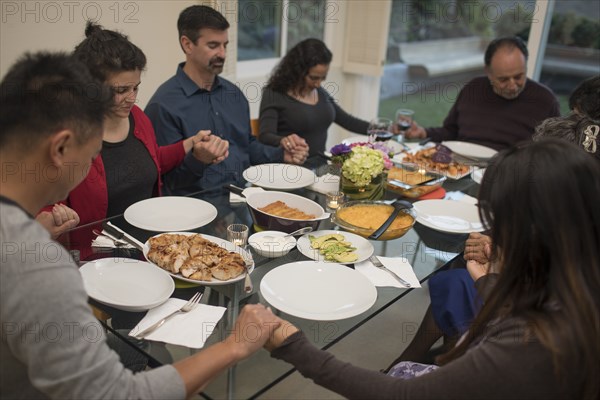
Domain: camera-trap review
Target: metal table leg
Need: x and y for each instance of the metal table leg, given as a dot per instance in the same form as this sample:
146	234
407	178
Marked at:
233	309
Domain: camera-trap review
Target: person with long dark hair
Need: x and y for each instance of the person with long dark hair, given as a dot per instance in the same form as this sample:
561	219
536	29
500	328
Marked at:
295	110
536	335
130	165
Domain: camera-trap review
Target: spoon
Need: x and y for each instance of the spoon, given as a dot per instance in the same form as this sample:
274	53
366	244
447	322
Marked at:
399	205
300	231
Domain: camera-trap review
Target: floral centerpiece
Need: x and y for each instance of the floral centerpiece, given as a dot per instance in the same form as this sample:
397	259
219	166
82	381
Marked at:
362	168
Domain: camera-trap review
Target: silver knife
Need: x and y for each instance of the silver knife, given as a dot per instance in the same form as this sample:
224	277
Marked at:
379	265
108	227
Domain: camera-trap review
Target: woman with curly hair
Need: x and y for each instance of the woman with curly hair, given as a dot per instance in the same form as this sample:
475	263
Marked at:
130	165
295	109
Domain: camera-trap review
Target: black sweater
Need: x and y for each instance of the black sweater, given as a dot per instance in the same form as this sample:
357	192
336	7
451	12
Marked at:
282	115
481	116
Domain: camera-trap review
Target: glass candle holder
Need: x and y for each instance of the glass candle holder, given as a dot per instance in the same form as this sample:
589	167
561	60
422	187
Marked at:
238	234
334	200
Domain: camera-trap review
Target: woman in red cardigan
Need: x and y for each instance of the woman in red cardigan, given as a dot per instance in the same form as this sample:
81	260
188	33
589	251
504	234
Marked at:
130	165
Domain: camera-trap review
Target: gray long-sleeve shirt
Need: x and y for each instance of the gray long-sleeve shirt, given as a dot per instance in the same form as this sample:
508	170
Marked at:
52	346
505	364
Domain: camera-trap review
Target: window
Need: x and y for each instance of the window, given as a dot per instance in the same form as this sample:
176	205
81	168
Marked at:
267	29
436	46
573	47
305	19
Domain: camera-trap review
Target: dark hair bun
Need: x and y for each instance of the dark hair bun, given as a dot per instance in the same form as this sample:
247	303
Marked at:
92	28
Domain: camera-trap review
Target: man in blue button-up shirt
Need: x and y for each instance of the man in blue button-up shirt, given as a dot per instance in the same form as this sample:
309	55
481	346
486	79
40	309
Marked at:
197	98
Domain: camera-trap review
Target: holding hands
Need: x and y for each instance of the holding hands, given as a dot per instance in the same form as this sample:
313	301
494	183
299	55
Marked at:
209	149
478	253
255	325
59	220
295	149
283	331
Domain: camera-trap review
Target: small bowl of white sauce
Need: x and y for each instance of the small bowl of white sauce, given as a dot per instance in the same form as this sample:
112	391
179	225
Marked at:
272	244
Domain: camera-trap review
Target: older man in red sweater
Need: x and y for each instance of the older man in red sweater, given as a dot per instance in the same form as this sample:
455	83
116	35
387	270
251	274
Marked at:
500	109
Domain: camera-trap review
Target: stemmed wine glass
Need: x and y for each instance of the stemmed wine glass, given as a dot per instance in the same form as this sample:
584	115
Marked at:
380	130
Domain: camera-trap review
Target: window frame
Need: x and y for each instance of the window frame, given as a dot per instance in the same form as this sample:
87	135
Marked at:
263	66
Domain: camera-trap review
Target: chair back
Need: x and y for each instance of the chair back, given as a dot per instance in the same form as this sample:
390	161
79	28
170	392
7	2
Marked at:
255	126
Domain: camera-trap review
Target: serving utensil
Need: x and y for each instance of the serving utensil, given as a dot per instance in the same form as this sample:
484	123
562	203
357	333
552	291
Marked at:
379	265
398	205
248	286
300	231
470	161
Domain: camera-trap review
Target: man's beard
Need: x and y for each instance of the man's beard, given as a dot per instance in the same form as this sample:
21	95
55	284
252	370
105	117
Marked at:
216	68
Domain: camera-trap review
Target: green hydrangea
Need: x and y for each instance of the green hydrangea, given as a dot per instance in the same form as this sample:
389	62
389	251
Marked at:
363	165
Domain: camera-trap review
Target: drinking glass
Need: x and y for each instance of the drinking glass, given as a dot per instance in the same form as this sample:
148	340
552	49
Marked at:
380	130
238	234
404	118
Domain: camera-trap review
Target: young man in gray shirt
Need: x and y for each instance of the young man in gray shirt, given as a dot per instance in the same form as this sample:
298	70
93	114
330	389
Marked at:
52	346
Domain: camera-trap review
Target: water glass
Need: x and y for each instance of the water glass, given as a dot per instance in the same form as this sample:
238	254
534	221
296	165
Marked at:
238	234
404	119
380	130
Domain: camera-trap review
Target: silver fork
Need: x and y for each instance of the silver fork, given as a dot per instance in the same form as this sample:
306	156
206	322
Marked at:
187	307
379	265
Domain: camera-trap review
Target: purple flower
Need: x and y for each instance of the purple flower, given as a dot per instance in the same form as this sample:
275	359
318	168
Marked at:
340	149
382	147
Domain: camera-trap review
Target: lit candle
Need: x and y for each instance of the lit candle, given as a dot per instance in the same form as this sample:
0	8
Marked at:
334	200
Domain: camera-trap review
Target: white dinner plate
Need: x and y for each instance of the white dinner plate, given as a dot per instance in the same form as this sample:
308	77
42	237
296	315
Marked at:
219	241
170	213
470	149
126	284
477	175
392	144
364	249
448	216
280	176
318	291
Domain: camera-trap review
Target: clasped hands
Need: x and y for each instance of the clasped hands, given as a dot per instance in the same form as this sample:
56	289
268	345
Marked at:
257	327
295	149
209	149
478	255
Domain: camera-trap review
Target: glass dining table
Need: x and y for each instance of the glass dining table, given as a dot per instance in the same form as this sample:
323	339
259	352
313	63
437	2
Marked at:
427	251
